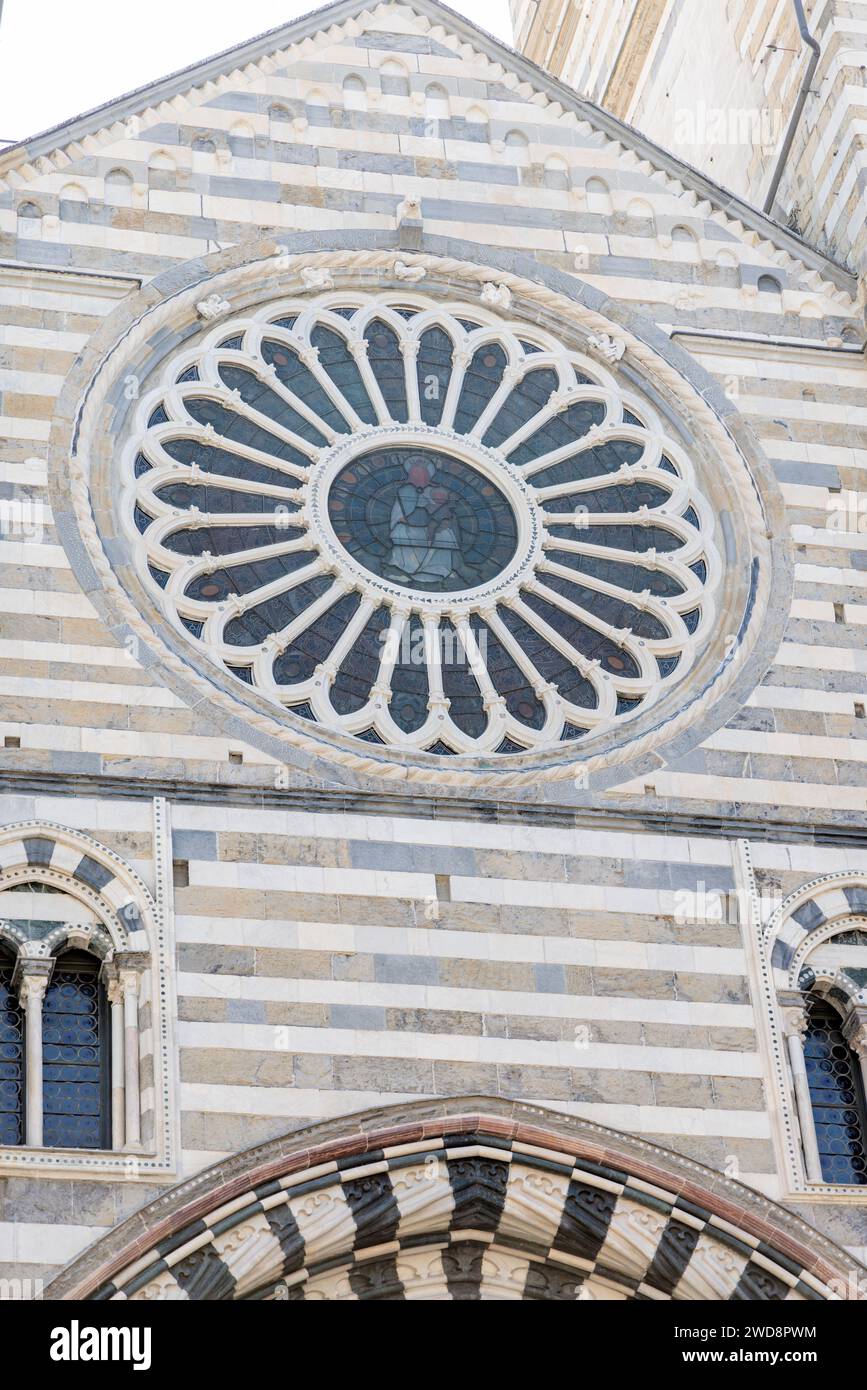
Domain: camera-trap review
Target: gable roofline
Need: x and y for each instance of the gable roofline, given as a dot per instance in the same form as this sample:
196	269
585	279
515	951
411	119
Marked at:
339	12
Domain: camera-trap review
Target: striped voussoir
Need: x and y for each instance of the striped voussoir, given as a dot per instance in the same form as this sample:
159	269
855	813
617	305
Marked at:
473	1206
817	905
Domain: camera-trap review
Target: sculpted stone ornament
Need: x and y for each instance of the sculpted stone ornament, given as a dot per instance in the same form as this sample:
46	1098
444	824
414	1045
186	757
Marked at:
409	210
213	307
612	349
497	296
316	279
411	273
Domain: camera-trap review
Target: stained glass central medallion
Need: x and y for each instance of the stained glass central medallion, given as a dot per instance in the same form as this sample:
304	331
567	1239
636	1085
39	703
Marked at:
422	519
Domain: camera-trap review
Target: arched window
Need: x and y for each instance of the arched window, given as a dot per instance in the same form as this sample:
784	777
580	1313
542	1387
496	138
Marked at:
203	144
556	173
118	188
393	78
836	1095
686	237
354	93
11	1057
162	171
75	1073
769	285
598	196
436	102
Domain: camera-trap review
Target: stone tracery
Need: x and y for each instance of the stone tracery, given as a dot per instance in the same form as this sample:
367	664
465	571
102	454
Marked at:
326	494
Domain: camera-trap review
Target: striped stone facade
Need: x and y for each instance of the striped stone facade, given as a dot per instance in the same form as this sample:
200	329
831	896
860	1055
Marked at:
717	84
338	942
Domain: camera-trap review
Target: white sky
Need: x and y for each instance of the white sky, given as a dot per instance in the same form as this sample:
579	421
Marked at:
61	57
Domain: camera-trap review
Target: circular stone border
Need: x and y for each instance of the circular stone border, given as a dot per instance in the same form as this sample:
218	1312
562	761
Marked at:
149	324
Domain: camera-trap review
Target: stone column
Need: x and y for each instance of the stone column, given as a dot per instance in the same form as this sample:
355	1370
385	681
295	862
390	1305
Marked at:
114	992
129	981
795	1026
31	976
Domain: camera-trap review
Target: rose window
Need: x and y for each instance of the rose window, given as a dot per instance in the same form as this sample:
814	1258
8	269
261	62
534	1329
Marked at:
428	528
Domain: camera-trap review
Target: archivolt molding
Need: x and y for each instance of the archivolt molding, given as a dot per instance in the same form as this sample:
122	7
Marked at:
18	169
461	1199
130	933
779	946
254	277
811	915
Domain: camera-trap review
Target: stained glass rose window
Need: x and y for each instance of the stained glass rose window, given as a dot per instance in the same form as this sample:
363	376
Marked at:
430	528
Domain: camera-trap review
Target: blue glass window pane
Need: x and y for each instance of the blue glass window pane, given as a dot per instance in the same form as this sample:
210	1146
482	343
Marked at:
226	540
525	401
481	379
244	578
562	429
336	359
259	396
73	1060
633	577
609	607
226	465
550	663
252	627
459	684
595	646
507	677
11	1059
386	361
358	670
298	662
590	463
292	373
238	429
434	368
209	498
408	705
837	1096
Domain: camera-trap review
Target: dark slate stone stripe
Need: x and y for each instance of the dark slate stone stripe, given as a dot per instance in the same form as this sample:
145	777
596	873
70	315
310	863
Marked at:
552	1284
784	1261
463	1140
759	1285
374	1209
360	1160
462	1266
587	1213
809	916
235	1218
89	871
145	1277
781	955
38	850
479	1191
647	1199
673	1254
376	1279
285	1228
165	1247
204	1277
856	898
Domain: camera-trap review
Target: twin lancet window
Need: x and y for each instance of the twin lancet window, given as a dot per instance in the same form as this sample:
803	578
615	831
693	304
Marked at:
827	1045
69	1053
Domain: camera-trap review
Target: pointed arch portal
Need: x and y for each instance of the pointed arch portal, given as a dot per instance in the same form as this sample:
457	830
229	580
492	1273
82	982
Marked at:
470	1198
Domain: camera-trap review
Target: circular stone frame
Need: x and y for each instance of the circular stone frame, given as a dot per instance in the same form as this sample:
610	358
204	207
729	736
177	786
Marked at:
158	320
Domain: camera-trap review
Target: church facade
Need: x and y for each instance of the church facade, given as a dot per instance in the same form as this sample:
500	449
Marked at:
432	796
